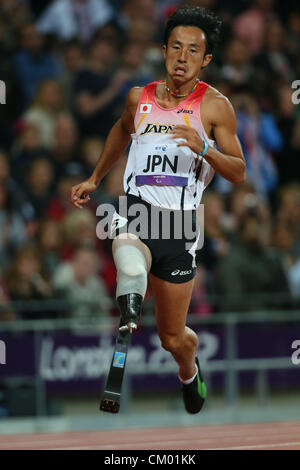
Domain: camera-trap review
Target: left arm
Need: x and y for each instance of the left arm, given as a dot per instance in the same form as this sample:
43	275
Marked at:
229	162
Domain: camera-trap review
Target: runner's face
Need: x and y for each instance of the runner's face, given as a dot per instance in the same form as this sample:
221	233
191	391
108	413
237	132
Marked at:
185	53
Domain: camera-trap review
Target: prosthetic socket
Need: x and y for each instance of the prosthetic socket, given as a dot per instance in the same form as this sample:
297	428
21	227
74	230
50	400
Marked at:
130	306
132	273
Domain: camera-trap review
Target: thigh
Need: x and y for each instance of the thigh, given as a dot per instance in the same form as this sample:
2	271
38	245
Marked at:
171	304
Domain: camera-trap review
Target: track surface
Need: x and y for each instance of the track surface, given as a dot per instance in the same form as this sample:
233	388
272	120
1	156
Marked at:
273	436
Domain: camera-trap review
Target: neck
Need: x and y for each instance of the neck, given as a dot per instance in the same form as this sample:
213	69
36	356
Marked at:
178	90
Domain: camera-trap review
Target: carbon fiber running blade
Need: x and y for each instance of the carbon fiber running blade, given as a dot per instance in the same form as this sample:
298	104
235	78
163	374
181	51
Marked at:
110	401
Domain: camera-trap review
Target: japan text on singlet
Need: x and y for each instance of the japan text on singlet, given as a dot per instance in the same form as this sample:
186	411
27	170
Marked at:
157	170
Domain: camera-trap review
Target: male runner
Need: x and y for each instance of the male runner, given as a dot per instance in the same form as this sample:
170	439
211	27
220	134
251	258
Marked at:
175	126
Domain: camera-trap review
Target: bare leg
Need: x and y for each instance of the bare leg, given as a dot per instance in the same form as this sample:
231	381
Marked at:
171	307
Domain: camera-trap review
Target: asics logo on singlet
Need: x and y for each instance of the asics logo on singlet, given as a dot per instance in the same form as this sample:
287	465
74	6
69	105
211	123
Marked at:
185	111
177	272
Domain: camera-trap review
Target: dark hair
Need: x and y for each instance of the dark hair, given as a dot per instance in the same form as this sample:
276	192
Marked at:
199	17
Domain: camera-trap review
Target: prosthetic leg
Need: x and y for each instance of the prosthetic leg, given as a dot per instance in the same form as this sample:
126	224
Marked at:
130	307
133	262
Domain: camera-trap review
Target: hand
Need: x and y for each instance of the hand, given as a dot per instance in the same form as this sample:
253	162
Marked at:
79	193
193	140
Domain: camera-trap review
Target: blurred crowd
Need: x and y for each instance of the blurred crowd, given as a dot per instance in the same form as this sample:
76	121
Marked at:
67	66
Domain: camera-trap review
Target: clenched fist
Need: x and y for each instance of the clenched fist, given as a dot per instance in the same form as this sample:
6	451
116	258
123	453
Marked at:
80	193
191	136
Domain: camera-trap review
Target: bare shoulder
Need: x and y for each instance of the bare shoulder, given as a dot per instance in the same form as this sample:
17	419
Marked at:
217	106
134	95
132	99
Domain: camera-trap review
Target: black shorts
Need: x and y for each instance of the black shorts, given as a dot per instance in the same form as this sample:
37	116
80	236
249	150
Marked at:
170	235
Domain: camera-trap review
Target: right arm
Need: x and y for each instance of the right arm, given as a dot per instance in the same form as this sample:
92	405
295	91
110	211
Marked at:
115	145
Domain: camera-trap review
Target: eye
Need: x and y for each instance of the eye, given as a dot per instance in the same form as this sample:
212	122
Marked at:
193	51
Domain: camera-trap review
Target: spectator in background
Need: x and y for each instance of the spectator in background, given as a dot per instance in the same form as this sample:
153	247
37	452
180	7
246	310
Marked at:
293	39
26	147
199	302
284	240
294	279
90	152
60	205
25	281
36	190
288	214
12	228
6	312
68	19
138	21
65	144
112	32
12	108
96	90
132	62
44	111
79	228
238	68
77	282
112	186
142	32
244	198
259	137
49	243
216	243
135	10
251	273
73	61
250	25
289	124
32	63
15	14
4	168
274	63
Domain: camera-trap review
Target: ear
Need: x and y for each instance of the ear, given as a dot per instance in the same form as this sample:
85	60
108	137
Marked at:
206	60
164	48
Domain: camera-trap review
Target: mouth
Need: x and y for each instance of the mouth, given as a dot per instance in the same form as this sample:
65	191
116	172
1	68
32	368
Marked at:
180	71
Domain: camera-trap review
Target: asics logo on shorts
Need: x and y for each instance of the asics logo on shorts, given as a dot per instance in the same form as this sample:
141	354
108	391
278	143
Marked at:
177	272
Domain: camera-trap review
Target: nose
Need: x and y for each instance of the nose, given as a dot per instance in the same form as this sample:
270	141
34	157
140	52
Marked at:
182	57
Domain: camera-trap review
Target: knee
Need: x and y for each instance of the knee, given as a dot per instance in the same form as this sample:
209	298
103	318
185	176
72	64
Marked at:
132	269
171	343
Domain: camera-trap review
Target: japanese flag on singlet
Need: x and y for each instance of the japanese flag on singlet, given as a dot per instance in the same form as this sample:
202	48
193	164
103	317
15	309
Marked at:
145	108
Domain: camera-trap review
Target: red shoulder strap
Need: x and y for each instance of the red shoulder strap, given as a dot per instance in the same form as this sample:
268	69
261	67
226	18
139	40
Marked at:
199	92
148	92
